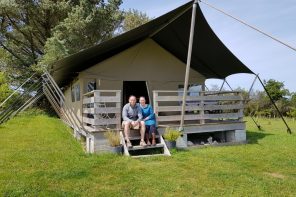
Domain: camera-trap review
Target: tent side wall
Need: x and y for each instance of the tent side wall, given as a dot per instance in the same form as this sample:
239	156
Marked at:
73	99
145	61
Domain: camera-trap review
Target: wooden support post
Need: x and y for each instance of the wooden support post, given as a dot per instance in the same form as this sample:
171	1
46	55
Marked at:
90	143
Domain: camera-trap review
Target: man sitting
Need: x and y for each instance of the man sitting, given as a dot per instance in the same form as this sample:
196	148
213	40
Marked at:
132	118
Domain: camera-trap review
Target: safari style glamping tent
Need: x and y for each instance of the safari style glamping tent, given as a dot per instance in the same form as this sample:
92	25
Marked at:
150	61
88	89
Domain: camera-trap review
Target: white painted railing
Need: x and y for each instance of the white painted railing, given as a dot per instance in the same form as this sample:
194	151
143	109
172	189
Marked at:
102	110
203	107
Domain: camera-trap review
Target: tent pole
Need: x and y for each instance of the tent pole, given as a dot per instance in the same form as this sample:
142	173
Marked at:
248	99
288	128
256	76
228	85
222	86
258	126
188	63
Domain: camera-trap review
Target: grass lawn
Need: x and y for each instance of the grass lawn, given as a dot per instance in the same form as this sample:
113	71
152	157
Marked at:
39	157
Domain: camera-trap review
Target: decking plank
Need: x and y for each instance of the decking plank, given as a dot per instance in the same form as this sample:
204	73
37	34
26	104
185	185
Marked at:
145	147
199	98
200	117
199	107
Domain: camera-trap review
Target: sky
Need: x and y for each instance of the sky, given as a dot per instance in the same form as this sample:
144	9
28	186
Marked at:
261	54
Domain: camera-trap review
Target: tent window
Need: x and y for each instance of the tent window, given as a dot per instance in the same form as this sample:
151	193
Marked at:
77	95
75	92
91	86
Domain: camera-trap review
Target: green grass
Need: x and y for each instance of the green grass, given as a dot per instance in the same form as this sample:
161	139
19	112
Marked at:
39	157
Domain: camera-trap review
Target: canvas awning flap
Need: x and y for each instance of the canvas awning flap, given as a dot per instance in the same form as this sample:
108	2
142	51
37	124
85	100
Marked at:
210	57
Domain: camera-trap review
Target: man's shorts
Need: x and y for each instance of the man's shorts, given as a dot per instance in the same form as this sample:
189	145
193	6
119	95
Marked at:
131	126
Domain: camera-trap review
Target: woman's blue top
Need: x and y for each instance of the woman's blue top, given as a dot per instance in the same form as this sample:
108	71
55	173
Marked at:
148	112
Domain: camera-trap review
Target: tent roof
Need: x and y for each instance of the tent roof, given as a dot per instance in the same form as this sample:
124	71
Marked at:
210	57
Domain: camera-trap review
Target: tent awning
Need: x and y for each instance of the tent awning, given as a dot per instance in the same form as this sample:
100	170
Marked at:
210	57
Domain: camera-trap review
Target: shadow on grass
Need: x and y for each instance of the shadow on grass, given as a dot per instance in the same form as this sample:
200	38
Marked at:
254	136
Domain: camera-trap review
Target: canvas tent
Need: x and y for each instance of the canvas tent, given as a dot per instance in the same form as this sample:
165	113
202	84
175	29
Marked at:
210	57
153	55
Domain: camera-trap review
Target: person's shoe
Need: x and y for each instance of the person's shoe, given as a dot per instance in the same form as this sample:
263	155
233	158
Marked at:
148	143
129	144
142	143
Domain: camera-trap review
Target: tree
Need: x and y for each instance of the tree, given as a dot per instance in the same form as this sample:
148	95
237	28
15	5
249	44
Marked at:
258	104
276	89
292	105
26	26
89	23
5	91
134	18
5	60
293	99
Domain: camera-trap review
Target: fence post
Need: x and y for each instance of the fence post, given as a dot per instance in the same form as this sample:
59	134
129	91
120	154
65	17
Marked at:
202	111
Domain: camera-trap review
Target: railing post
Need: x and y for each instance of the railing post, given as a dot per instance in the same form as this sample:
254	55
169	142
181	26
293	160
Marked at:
118	105
155	103
202	111
96	96
241	111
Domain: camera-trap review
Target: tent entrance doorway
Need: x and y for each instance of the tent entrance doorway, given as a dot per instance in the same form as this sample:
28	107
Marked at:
136	88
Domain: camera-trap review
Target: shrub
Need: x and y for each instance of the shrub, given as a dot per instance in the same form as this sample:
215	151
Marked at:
171	134
113	138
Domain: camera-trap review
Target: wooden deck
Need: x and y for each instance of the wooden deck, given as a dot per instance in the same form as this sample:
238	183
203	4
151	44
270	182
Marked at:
202	109
217	114
206	112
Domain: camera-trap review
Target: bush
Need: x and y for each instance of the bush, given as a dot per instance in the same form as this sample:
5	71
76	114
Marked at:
171	134
113	138
292	113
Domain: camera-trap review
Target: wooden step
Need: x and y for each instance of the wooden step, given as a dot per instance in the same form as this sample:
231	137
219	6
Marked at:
138	151
145	147
139	137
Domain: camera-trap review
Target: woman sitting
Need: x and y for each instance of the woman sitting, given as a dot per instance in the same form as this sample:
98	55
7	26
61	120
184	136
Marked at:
150	122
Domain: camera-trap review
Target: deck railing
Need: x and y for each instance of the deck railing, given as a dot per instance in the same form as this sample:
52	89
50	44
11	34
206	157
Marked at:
201	107
102	110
